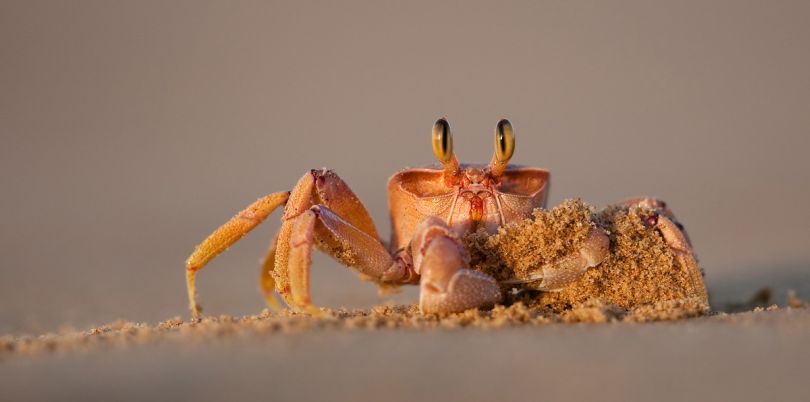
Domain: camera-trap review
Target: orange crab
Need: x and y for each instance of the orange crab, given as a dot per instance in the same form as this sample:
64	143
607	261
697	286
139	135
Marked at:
431	209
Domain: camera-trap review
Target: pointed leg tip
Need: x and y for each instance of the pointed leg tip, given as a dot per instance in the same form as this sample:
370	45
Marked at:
315	312
272	303
196	313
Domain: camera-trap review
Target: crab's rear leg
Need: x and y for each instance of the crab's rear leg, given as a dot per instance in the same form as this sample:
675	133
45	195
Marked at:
225	236
267	283
661	218
447	285
673	232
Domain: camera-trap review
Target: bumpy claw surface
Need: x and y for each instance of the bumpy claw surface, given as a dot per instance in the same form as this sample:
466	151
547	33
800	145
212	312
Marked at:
447	285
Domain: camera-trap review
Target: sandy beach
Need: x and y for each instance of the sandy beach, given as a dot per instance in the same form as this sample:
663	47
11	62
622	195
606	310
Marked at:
744	356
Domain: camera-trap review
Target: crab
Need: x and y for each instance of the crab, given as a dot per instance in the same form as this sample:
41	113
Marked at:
431	209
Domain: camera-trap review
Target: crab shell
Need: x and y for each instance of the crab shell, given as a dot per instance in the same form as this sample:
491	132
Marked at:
477	201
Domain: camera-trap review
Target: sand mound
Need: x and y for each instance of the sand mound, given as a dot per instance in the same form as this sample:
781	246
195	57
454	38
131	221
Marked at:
640	271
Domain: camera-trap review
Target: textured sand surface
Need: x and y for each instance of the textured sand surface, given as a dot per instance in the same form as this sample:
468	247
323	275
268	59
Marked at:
745	356
124	333
639	268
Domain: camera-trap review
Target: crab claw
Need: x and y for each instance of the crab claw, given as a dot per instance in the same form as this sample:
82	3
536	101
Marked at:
446	284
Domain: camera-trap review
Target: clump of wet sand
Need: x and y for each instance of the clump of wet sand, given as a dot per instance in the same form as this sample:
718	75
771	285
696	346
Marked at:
641	272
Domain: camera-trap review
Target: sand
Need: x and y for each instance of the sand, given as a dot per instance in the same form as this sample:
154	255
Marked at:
122	334
390	353
640	273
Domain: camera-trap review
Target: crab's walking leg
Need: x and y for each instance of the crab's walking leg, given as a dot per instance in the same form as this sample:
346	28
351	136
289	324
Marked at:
663	218
556	275
564	271
673	233
225	236
447	285
324	212
300	260
342	241
266	281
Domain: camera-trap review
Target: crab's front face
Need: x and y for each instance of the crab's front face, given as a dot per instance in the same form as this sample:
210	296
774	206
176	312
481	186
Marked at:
467	197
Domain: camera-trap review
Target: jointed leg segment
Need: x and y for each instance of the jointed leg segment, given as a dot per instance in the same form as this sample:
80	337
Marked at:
320	211
324	212
267	283
227	235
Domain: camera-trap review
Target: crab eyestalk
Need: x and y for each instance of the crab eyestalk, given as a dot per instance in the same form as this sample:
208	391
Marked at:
504	147
443	149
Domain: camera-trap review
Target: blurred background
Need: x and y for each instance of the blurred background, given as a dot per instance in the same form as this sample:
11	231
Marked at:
130	130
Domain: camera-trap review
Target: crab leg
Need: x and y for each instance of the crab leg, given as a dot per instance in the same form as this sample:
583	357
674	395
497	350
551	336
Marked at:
267	283
300	260
676	238
323	211
225	236
565	270
300	201
447	285
342	241
663	218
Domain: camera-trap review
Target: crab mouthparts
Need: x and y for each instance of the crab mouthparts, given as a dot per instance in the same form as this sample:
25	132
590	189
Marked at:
475	196
476	210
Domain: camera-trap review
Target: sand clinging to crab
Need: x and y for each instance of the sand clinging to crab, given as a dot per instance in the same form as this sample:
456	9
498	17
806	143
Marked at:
641	270
471	236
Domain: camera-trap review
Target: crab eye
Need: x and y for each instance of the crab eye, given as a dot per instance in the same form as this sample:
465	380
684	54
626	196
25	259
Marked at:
442	141
504	141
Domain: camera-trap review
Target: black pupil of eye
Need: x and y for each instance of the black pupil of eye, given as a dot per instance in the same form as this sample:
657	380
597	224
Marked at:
445	138
501	138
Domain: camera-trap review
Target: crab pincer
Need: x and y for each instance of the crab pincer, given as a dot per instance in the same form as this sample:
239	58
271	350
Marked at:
447	284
